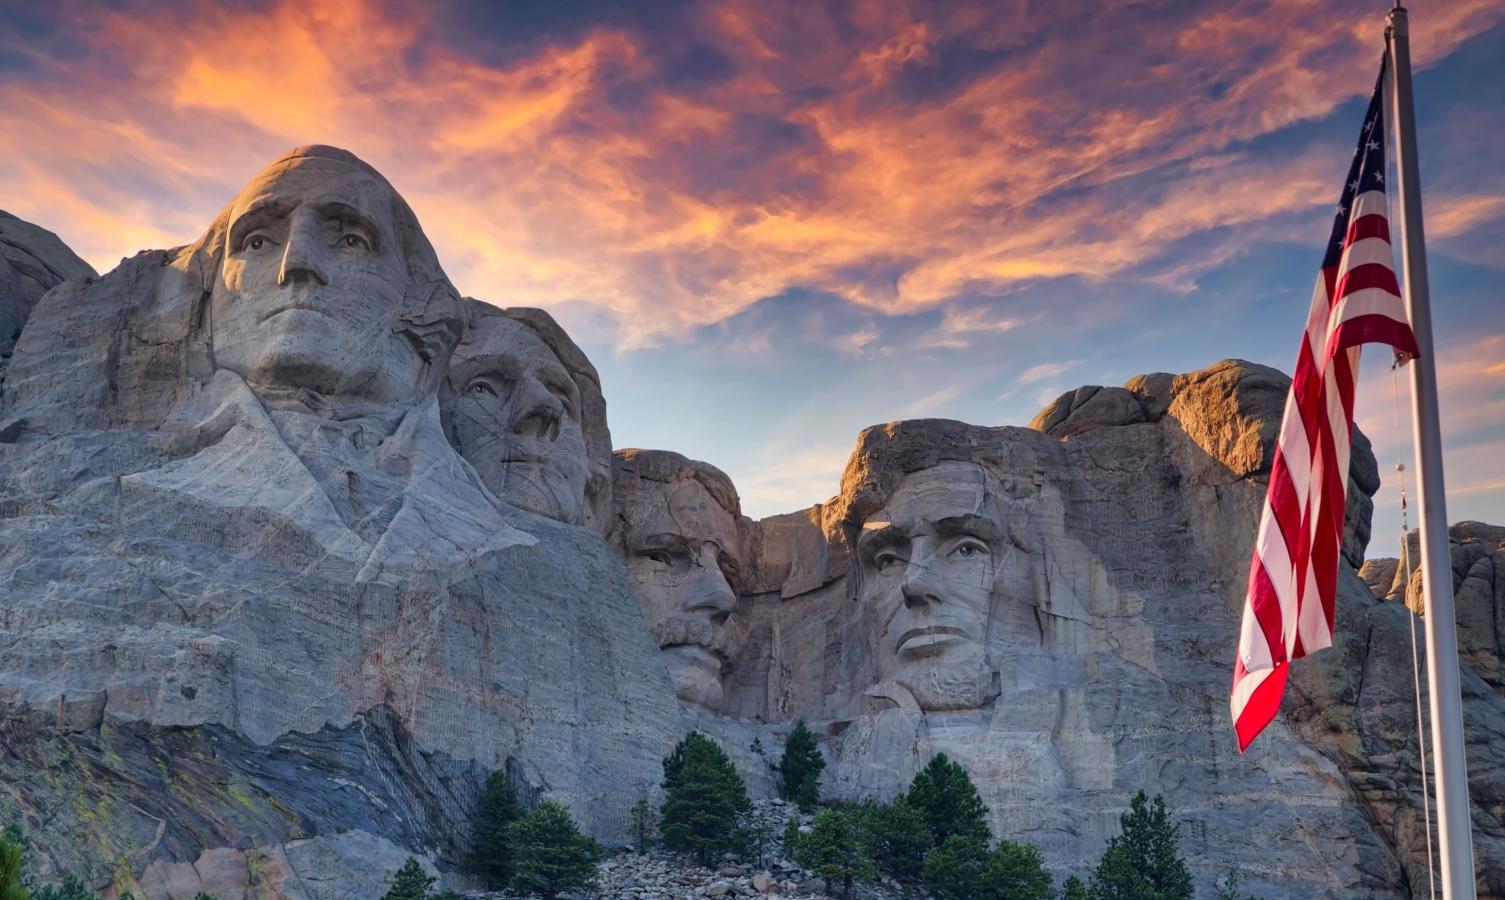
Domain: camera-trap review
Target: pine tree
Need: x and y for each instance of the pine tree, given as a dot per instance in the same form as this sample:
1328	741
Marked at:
948	803
12	868
410	882
952	870
792	837
1074	889
644	824
757	831
1014	872
550	855
833	850
1143	863
490	847
800	767
703	796
896	838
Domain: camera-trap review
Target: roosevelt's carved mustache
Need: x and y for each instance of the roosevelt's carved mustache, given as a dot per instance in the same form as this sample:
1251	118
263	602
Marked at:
694	631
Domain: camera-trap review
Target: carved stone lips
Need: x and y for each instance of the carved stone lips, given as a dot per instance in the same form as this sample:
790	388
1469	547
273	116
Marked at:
297	304
930	636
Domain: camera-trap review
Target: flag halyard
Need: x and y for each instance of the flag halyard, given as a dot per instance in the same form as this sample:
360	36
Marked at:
1289	608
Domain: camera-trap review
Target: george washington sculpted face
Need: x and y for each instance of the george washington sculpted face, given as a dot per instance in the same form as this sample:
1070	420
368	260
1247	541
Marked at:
313	285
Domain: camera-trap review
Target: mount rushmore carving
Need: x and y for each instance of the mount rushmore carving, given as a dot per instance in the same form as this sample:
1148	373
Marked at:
299	544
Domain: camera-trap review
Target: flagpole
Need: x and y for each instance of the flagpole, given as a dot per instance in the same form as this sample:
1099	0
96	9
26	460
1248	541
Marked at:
1454	833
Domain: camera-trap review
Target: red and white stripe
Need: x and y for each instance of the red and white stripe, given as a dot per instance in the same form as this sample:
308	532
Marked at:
1289	608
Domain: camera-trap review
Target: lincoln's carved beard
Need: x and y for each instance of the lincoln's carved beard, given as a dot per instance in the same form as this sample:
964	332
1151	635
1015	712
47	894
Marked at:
948	686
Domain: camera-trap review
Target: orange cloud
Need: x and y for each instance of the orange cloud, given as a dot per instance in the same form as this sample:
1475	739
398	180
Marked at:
819	156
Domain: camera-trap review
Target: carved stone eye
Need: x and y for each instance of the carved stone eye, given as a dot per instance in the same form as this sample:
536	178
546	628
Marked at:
256	242
355	242
480	389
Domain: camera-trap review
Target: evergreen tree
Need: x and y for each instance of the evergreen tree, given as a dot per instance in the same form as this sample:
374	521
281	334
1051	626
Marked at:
12	868
1014	872
757	831
550	855
948	803
792	837
1143	863
490	847
410	883
833	850
800	767
896	838
1074	889
703	796
644	824
952	870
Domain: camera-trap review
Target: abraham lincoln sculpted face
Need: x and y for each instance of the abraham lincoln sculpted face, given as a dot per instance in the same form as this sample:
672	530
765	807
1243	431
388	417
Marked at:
312	291
930	560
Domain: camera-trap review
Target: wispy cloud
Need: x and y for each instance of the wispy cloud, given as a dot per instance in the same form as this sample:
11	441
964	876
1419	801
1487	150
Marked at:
898	155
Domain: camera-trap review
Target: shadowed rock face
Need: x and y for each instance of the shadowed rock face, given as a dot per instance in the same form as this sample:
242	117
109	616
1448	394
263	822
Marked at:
32	261
231	508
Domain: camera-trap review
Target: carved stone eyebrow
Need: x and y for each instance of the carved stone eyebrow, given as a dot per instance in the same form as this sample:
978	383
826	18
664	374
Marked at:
262	211
870	541
973	524
344	212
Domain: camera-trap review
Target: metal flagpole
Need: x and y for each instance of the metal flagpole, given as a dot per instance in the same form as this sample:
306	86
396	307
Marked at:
1454	833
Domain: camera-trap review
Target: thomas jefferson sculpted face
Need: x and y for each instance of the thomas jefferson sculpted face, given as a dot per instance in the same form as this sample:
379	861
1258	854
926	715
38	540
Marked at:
313	285
517	418
929	563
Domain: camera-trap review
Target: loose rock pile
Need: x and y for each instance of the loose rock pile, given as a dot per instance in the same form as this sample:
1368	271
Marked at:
659	875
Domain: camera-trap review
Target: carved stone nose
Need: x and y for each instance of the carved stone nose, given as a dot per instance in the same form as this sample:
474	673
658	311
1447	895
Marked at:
919	585
300	261
538	412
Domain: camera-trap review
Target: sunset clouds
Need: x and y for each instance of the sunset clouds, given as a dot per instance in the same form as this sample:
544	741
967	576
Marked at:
662	169
894	154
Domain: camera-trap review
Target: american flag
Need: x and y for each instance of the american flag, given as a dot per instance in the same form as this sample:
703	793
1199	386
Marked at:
1288	611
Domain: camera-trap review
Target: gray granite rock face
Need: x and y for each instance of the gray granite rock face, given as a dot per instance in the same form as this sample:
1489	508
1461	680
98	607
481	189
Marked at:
230	513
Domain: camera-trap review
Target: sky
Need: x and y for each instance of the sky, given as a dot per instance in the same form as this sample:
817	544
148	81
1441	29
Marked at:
771	224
